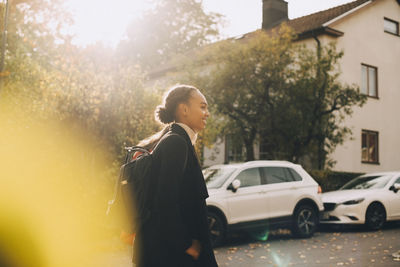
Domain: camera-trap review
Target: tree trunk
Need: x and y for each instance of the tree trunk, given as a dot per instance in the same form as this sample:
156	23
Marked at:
249	150
321	154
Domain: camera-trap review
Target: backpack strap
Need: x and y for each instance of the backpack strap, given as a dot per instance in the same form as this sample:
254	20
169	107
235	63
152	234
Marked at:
117	185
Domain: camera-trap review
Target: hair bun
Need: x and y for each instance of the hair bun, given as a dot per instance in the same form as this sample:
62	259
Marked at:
163	115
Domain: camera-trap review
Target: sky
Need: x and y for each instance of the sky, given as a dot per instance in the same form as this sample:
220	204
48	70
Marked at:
107	23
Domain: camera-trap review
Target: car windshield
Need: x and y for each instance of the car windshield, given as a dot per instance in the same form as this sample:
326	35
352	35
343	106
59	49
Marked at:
215	177
367	182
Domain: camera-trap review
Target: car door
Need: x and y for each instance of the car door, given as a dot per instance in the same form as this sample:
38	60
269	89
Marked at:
248	203
394	202
281	190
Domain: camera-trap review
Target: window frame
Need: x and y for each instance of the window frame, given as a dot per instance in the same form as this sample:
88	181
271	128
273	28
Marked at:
393	21
286	171
369	132
376	80
247	169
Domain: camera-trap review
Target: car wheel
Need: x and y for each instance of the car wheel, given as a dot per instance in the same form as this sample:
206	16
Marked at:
375	216
217	229
305	221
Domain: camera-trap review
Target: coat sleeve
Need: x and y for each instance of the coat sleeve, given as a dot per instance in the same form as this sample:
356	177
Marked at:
173	152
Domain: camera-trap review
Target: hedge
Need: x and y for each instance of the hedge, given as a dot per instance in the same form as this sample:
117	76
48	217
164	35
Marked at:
331	180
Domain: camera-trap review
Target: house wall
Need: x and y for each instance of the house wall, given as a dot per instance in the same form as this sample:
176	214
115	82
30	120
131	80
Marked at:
364	41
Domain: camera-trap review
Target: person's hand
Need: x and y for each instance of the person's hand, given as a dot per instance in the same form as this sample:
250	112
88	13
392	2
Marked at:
127	238
195	249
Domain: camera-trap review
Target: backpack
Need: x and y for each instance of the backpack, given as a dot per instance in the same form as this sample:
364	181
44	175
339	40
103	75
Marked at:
134	189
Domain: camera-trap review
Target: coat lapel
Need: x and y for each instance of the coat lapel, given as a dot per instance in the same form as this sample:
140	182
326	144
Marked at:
195	168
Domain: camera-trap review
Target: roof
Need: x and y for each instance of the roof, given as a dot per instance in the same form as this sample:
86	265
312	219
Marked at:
317	20
317	23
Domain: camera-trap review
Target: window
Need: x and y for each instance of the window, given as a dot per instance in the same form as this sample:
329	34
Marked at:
273	175
249	177
391	26
215	177
234	149
369	147
296	176
268	151
369	80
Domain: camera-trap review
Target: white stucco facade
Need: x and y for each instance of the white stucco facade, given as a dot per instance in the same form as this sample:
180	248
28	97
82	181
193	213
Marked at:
365	42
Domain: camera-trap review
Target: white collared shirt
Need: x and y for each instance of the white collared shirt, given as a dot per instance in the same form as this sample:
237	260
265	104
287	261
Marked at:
192	134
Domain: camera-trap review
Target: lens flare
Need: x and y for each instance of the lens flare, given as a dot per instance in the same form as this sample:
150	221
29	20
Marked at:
53	195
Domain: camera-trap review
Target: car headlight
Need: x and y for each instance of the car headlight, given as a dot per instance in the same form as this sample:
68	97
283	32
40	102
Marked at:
353	201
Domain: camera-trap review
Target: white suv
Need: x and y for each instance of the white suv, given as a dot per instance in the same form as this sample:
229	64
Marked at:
260	194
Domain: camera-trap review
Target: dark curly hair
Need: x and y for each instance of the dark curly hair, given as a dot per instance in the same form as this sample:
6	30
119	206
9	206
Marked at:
176	95
165	113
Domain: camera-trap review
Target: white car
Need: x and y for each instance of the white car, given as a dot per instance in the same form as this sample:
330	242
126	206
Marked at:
261	194
369	199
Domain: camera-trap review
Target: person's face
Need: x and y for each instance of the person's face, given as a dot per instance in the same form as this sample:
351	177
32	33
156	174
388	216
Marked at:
195	112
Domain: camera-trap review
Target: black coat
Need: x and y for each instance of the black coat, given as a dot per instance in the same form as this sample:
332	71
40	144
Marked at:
180	211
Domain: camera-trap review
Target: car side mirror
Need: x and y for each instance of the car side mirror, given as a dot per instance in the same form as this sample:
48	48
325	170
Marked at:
395	188
234	186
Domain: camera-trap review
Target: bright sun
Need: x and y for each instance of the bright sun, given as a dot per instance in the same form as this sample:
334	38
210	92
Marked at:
103	20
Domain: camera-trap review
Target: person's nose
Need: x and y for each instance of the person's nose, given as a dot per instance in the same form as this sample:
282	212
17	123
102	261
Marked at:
207	113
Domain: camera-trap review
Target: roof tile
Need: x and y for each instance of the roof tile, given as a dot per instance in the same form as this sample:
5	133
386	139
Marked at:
316	20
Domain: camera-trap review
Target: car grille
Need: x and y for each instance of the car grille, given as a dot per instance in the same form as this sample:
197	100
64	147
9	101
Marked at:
329	206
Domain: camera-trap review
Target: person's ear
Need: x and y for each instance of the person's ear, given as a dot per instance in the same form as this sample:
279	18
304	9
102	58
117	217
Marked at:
183	109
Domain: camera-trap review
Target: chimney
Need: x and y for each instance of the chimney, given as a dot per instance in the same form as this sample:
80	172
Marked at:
274	12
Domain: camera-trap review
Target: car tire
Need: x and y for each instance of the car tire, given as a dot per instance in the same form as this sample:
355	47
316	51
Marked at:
375	216
217	229
305	221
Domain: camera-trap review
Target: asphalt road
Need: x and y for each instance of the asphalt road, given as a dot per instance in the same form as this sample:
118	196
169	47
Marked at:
349	246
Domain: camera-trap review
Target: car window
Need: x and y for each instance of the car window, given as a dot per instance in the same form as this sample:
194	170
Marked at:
249	177
367	182
295	175
273	175
397	181
216	177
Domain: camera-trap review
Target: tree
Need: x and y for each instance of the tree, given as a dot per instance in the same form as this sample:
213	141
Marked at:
320	103
33	29
283	95
242	81
172	27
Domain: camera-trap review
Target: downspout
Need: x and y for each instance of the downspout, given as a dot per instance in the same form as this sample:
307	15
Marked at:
320	144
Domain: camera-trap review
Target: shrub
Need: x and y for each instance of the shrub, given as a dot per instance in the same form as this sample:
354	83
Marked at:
331	180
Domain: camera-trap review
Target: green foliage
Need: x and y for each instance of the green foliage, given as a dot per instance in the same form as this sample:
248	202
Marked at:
330	180
85	94
319	103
